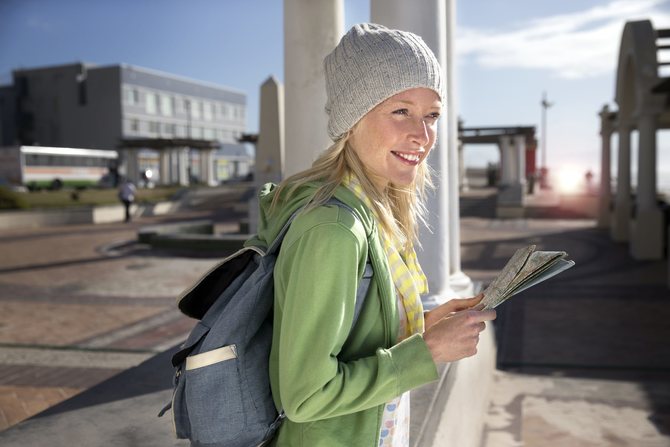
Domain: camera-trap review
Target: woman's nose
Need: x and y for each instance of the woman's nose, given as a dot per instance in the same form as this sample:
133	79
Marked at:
419	133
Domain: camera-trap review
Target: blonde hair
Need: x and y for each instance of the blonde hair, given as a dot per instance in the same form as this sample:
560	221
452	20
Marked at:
399	209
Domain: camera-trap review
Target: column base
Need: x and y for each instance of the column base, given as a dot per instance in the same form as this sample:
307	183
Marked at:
620	227
647	234
461	284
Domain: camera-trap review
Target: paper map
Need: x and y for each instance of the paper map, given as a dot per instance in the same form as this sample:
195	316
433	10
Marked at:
525	269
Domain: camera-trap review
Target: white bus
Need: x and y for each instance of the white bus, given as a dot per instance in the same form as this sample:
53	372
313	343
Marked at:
42	166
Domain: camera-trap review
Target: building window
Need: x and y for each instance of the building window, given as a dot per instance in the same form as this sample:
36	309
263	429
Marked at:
169	129
134	125
207	111
150	103
196	132
154	127
166	105
180	131
208	134
196	110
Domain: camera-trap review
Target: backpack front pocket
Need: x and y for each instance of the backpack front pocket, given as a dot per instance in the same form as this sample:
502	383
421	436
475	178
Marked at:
207	375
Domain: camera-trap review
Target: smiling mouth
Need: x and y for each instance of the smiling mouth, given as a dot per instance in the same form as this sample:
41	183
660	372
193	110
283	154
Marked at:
412	159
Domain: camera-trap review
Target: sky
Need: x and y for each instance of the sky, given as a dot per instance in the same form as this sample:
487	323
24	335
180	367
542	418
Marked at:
508	53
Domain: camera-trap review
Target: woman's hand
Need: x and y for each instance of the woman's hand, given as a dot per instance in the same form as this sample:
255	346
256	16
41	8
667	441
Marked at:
456	305
456	336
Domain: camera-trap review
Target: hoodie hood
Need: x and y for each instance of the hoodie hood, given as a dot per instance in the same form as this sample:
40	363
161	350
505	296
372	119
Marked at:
272	221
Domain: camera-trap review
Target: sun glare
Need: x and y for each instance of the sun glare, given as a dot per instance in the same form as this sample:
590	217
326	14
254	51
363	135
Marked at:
570	181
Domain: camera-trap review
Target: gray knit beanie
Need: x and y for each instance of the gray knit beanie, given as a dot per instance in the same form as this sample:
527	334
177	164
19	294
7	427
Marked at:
370	64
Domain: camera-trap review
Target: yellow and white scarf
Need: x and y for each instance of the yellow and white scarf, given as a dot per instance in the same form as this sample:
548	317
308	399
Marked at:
409	279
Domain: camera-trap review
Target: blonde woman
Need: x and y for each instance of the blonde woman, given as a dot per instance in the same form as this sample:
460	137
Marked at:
341	385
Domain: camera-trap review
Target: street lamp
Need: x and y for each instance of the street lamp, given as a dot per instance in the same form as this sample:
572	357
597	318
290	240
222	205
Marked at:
545	105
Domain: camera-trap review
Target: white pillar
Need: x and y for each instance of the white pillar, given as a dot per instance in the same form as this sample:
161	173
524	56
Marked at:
520	155
463	182
164	167
622	206
428	20
312	28
132	165
647	231
207	167
506	161
182	166
270	146
605	196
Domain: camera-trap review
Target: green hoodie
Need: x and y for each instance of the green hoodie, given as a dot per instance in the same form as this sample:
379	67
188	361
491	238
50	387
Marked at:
332	380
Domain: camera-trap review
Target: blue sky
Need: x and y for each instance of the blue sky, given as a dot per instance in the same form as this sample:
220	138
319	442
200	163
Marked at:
509	52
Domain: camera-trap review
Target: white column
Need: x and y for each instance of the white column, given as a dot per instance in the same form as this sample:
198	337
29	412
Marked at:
182	166
506	161
520	155
207	167
605	196
132	165
312	28
622	205
463	182
270	156
428	20
164	167
270	147
647	231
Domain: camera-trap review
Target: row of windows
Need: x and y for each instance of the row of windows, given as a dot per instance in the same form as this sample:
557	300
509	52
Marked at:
137	127
65	160
170	105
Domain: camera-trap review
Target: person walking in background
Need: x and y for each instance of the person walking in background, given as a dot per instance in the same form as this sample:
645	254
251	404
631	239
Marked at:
340	385
127	193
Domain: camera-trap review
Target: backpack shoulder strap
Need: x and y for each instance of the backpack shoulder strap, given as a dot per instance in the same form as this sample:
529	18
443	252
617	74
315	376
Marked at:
364	283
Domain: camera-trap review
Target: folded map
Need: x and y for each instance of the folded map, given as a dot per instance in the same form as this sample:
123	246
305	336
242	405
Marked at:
525	269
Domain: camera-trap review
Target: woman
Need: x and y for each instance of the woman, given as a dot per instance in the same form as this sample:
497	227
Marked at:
341	385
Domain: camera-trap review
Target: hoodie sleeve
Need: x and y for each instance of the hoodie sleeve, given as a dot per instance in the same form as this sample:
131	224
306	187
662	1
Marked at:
316	278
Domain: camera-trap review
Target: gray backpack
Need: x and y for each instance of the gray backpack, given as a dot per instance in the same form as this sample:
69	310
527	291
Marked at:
222	391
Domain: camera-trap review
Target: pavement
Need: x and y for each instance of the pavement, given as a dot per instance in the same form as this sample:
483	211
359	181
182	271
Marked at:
87	321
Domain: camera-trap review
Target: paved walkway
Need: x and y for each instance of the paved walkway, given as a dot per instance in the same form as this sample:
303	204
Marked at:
583	359
82	303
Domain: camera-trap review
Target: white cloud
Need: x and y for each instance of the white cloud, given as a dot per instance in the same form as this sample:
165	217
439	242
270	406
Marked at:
576	45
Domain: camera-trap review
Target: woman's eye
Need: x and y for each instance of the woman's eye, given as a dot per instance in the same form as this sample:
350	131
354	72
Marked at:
401	112
434	115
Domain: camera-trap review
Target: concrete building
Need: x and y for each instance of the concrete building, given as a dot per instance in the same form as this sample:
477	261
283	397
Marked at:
84	105
633	212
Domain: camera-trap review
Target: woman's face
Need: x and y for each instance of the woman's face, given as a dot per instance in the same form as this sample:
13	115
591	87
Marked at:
397	135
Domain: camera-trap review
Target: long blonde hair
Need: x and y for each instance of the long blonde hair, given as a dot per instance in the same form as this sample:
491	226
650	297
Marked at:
398	208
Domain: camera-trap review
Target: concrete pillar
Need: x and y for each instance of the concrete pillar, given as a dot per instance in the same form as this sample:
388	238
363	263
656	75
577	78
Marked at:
270	155
270	146
132	165
207	167
463	182
506	161
647	228
441	247
312	28
165	177
183	161
605	196
520	158
620	228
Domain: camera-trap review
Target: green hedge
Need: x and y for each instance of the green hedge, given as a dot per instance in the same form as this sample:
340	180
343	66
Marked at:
9	200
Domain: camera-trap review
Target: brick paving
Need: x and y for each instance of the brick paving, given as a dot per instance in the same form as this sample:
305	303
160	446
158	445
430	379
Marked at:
583	360
87	294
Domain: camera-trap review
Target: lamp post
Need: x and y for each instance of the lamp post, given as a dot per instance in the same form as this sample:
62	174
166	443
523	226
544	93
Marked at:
543	171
